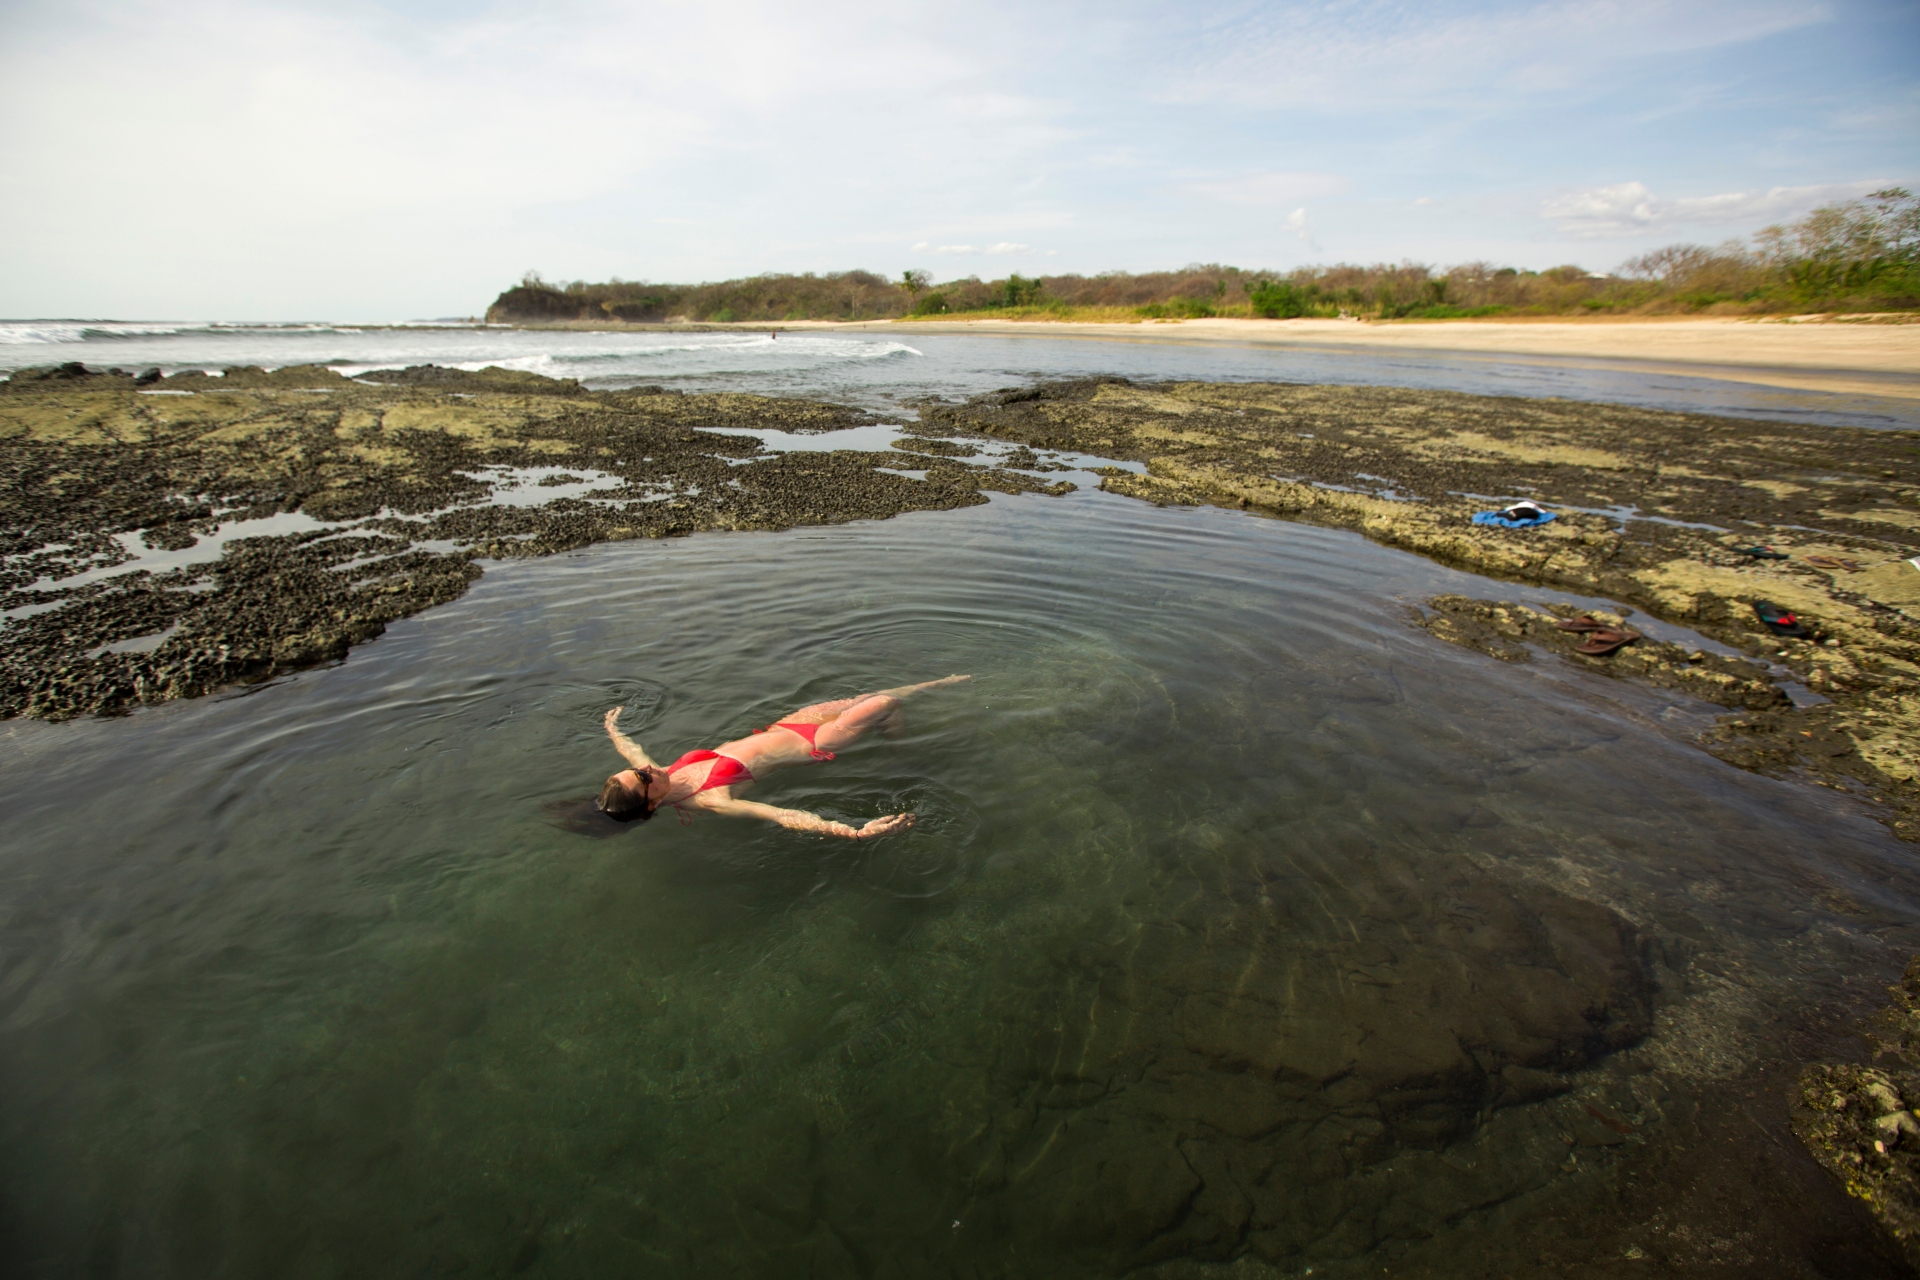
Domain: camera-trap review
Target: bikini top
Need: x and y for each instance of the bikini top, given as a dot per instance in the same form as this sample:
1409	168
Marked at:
723	774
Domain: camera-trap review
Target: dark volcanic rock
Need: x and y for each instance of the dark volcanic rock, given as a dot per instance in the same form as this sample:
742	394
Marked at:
491	378
85	457
1654	509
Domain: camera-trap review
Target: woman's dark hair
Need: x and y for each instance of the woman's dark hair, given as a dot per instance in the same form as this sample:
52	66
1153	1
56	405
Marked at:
623	803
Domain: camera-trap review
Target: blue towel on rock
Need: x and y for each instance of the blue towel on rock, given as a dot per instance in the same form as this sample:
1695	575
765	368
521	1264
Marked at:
1494	517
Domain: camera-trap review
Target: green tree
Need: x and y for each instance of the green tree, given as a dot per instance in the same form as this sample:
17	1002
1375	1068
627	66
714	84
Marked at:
1017	291
1277	299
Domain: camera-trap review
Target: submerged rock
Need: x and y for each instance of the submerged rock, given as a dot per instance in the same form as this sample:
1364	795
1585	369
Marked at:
1858	1122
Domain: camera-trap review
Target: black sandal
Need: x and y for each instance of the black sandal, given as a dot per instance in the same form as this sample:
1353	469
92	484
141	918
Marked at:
1778	620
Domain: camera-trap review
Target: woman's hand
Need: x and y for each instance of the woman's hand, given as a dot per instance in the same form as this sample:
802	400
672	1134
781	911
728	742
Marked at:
612	717
884	826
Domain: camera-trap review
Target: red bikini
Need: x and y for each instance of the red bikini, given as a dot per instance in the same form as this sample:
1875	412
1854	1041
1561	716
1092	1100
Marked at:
724	774
729	771
806	731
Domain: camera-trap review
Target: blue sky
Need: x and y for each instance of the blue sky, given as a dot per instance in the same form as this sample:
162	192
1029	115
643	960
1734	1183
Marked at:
346	160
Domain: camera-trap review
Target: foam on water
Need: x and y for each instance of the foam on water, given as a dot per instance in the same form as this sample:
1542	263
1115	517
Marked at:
62	332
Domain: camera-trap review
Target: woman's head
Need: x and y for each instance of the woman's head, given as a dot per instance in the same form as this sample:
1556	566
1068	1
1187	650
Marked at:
624	798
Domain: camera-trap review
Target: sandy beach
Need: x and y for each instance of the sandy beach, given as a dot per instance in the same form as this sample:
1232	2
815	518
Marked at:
1858	357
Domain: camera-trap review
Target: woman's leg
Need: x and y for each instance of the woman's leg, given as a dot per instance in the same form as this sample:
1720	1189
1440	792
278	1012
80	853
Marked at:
855	718
820	712
843	721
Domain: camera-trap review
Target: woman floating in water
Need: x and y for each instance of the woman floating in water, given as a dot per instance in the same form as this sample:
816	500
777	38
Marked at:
709	779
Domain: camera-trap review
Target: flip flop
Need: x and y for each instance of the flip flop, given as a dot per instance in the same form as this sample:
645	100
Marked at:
1761	553
1833	562
1606	640
1585	622
1778	620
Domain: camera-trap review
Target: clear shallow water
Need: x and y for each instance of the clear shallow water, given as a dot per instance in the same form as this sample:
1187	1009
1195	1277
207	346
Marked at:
877	369
1241	916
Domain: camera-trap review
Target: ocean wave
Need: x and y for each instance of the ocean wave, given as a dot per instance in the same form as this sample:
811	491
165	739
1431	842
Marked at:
62	332
25	334
743	352
874	351
542	364
655	351
814	345
52	332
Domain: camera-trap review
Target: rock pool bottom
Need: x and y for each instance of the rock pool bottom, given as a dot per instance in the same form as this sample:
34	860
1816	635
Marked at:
1243	922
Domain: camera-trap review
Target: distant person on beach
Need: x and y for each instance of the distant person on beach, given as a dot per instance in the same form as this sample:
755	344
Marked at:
709	780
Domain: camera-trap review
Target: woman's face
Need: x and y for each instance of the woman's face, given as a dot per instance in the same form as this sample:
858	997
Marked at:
654	785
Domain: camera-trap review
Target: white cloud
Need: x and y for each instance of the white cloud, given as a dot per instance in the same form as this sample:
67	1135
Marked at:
301	158
1263	189
385	158
1296	222
1631	208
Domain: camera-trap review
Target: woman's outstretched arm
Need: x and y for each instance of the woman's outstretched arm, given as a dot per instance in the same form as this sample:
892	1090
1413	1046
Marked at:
629	750
801	820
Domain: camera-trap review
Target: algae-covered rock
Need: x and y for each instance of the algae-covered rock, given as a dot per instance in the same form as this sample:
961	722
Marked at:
1511	632
1653	509
1858	1119
101	467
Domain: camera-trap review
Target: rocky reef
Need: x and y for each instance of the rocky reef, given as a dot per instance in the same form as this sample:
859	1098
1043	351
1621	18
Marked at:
1261	1078
1691	519
1858	1120
393	473
1655	510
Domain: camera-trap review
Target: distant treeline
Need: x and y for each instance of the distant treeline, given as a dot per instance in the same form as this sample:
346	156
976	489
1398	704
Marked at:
854	295
1860	256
